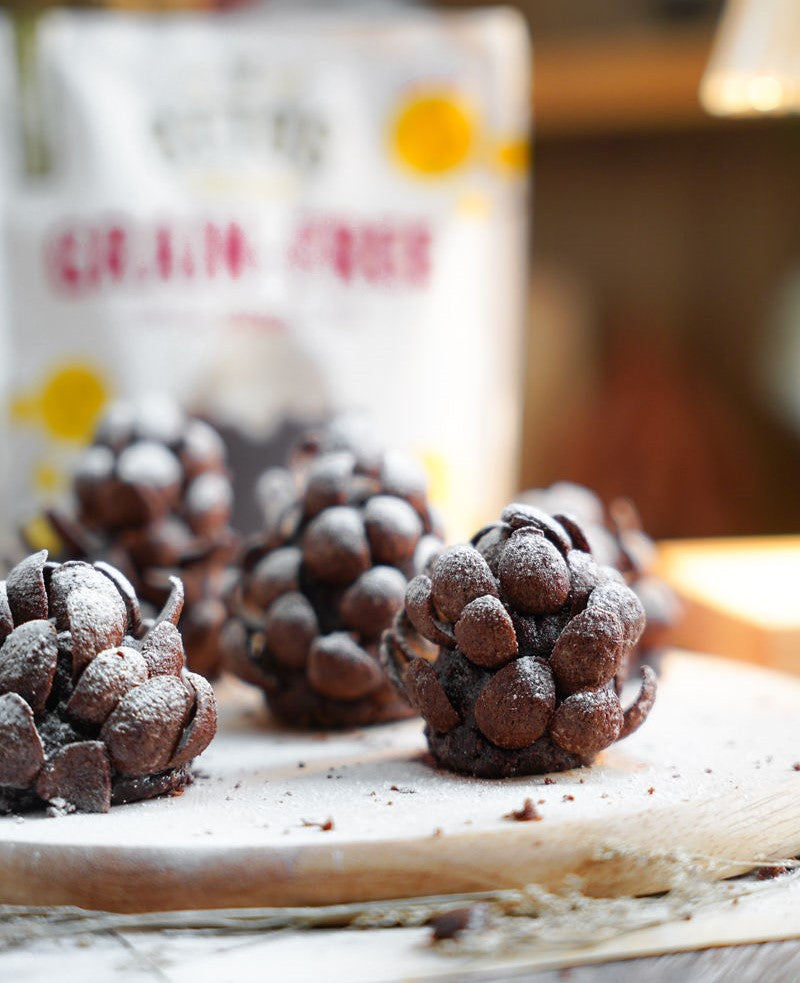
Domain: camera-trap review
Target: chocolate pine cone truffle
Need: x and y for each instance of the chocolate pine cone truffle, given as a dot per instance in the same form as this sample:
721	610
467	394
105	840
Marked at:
344	533
617	539
534	638
96	705
154	498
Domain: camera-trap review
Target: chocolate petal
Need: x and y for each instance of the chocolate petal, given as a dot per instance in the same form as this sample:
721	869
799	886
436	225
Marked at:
638	711
575	530
485	633
143	731
21	751
427	695
28	660
587	722
422	614
459	575
25	589
533	574
97	622
340	669
174	605
128	594
6	618
73	575
80	774
201	728
104	682
162	650
520	515
515	705
588	651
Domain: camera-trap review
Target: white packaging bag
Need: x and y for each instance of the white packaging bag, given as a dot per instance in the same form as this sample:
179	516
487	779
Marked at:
274	216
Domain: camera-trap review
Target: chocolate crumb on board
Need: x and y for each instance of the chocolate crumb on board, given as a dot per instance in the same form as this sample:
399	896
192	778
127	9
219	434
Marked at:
549	781
402	789
568	798
450	924
796	766
651	790
528	813
327	825
769	873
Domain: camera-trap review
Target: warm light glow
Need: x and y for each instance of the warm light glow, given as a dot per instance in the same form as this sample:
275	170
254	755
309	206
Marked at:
755	64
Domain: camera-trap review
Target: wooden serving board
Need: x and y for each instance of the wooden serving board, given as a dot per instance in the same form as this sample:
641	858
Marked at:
710	775
741	597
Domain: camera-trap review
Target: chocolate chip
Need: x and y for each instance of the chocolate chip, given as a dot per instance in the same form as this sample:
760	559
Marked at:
586	723
335	548
533	575
459	575
340	669
588	651
485	633
427	694
372	601
289	629
515	706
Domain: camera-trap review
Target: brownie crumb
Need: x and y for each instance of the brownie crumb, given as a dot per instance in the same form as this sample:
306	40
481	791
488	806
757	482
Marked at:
450	924
528	813
769	873
549	781
327	825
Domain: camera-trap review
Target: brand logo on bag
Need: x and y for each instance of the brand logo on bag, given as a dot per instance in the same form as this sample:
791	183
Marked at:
88	256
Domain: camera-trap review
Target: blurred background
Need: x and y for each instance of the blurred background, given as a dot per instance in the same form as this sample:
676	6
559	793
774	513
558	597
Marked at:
661	326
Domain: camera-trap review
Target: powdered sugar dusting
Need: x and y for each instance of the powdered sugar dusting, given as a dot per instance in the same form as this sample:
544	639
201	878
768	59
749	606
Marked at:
97	621
104	682
21	752
208	492
95	464
149	463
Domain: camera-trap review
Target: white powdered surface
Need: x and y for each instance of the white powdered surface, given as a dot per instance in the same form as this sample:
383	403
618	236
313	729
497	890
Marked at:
254	789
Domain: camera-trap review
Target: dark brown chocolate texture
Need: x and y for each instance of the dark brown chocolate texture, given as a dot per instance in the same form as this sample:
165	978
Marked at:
533	641
346	527
154	498
96	703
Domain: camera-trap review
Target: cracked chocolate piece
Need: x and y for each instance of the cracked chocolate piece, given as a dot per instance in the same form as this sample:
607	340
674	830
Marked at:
326	577
95	707
533	641
155	502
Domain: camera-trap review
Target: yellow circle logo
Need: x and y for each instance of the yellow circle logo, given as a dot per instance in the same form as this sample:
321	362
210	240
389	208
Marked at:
433	134
69	404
